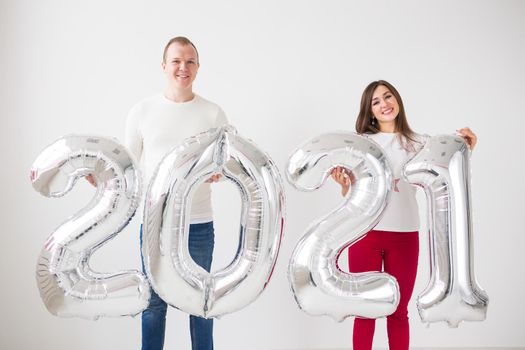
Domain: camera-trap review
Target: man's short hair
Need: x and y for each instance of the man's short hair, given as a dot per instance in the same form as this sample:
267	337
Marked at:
181	40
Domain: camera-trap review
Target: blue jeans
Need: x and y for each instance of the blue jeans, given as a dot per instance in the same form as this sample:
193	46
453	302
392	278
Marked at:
201	242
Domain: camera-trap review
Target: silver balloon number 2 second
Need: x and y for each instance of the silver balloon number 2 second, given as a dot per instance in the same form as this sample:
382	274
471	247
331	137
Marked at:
319	286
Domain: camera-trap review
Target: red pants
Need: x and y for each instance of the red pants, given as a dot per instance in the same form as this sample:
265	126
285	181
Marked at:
397	254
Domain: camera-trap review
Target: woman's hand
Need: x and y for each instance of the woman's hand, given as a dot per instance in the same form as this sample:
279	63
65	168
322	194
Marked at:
470	138
343	177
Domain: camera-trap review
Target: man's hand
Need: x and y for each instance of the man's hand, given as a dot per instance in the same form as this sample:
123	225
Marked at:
214	178
91	180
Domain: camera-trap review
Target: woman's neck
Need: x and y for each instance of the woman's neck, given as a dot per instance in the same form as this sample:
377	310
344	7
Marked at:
387	127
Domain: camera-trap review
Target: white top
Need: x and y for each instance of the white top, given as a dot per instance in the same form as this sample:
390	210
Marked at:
401	213
155	125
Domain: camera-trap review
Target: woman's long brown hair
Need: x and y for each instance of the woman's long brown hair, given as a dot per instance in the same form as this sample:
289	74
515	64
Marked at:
365	120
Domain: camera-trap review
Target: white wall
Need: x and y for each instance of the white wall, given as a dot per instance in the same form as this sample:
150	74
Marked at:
283	71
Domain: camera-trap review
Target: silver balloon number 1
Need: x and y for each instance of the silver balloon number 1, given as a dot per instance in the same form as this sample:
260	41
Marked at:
319	286
442	169
67	284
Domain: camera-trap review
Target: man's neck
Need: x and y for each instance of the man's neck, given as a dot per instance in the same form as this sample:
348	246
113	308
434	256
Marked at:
179	95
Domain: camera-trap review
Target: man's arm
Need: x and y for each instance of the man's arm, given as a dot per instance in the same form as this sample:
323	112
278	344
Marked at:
132	134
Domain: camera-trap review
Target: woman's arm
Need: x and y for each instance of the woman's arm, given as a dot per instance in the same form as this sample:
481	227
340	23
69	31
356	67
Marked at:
468	135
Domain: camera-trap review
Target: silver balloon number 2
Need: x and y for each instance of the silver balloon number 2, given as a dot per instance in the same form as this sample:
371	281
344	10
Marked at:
442	169
173	274
67	284
319	286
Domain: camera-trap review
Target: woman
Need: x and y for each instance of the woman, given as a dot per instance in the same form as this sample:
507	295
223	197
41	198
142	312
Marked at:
393	244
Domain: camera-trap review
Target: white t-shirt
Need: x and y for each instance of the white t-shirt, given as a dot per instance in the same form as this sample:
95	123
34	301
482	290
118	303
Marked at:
156	124
401	213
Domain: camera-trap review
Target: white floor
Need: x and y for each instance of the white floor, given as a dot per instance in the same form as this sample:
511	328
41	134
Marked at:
491	348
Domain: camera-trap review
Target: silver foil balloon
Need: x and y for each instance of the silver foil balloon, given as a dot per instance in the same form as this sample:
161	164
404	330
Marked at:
67	284
319	286
442	169
174	275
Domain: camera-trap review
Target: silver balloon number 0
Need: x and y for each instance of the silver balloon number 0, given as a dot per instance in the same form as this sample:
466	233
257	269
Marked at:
442	169
67	284
319	286
173	274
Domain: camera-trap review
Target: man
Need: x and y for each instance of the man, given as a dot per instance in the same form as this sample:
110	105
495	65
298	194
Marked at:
153	127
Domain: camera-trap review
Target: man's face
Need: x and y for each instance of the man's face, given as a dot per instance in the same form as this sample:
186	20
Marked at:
181	65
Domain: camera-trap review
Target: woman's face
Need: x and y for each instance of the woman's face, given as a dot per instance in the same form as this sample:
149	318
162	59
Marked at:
384	105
